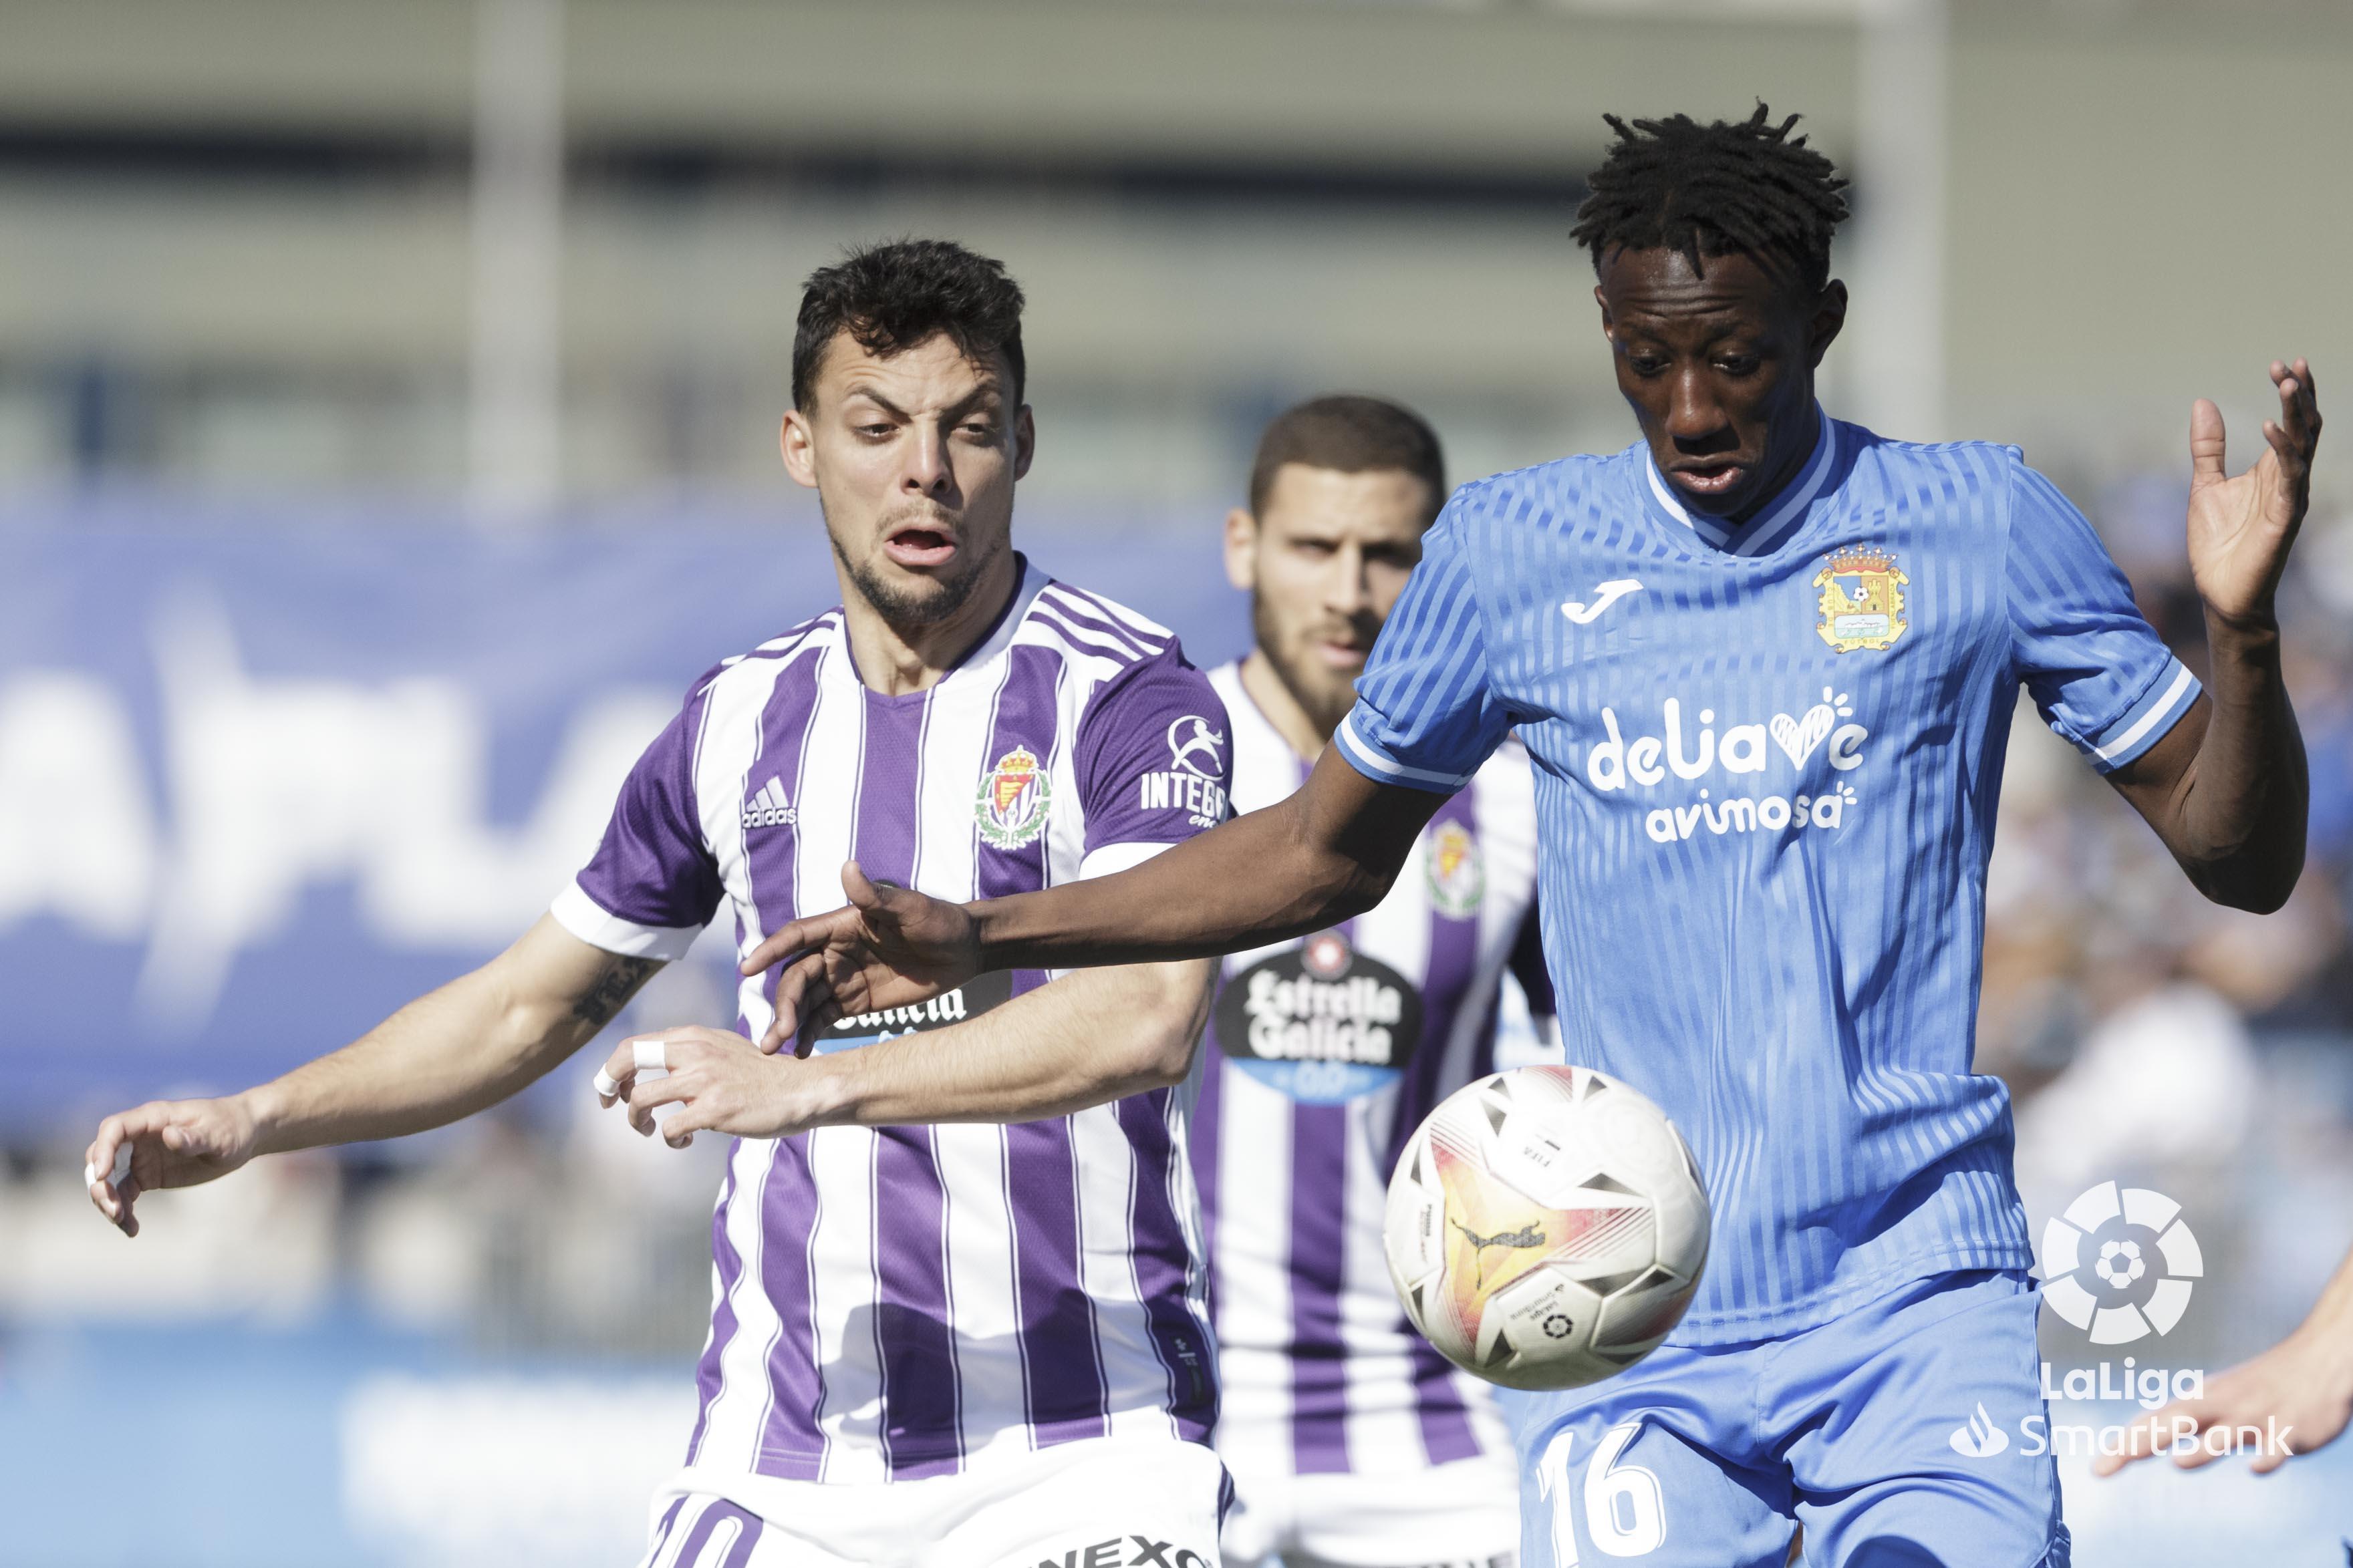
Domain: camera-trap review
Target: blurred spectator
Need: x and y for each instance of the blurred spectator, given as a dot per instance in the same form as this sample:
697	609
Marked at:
2149	1036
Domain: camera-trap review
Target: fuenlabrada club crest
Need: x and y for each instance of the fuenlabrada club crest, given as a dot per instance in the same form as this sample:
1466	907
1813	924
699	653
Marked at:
1861	606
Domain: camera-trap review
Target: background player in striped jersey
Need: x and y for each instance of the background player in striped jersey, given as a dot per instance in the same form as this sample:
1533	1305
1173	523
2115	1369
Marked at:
1350	1440
974	1344
1765	663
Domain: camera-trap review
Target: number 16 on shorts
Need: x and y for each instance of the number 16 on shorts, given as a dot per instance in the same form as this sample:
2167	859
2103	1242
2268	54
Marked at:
1625	1516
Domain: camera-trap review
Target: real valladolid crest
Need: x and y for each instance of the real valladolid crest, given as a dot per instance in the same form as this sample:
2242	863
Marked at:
2119	1262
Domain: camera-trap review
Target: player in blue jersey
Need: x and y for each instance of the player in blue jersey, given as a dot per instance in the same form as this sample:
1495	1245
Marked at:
1765	662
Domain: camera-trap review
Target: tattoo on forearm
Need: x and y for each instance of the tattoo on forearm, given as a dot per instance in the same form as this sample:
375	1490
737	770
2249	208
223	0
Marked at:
612	990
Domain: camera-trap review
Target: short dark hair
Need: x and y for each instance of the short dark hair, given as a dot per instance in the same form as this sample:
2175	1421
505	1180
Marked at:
893	296
1351	434
1749	189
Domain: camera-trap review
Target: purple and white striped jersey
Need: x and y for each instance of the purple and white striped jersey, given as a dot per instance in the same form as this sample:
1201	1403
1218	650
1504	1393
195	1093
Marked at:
904	1301
1322	1057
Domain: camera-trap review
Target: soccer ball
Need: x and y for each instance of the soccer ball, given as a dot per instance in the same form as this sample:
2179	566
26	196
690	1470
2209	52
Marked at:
1546	1227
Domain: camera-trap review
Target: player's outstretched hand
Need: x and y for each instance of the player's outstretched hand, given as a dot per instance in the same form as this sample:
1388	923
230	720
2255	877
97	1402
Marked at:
889	947
718	1079
2303	1384
163	1144
2240	528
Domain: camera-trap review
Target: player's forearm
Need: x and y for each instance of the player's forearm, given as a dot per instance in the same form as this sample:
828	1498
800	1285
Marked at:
1240	885
2243	803
1328	852
1082	1041
453	1052
443	1056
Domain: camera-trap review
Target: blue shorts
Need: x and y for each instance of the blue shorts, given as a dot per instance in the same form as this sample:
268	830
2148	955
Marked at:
1865	1430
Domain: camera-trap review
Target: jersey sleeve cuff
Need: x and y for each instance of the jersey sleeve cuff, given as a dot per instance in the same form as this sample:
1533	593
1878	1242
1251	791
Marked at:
1109	859
2146	721
589	921
1380	767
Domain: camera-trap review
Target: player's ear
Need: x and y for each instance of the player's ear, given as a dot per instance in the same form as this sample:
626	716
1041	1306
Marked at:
1829	317
1025	441
1241	549
794	440
1608	323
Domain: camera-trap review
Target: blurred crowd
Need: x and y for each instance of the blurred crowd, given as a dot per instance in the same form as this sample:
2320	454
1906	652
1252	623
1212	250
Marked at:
2154	1039
542	1227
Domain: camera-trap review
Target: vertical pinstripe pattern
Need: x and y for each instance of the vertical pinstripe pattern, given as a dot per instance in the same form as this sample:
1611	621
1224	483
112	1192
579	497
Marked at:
1458	982
1452	968
753	711
1171	1286
844	1316
894	1302
914	1347
921	1435
978	1260
1319	1231
1061	1358
1061	1355
1321	1374
786	1431
726	1268
789	1445
1766	838
1027	713
1207	1122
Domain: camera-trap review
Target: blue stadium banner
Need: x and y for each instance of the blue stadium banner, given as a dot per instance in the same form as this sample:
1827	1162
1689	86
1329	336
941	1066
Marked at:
264	777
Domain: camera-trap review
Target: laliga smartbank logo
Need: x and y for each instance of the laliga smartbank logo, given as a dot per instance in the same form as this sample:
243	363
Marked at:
2120	1264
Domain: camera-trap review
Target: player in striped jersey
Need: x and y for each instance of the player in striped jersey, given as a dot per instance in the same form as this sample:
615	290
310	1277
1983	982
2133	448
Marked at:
960	1312
1350	1440
1766	662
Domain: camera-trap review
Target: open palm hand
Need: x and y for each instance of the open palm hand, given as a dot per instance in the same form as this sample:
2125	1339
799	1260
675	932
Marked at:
2241	527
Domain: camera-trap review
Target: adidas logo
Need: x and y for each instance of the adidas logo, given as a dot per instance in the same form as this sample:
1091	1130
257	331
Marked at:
769	809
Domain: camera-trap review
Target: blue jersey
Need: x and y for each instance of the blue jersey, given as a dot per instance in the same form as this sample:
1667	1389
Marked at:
1767	768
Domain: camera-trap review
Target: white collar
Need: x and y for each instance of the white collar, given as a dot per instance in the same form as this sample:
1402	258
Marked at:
1768	529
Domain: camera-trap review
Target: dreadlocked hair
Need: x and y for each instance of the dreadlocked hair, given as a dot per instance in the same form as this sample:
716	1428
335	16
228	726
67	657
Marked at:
1750	189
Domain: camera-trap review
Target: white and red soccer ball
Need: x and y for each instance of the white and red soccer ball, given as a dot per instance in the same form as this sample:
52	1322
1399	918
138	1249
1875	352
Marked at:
1546	1227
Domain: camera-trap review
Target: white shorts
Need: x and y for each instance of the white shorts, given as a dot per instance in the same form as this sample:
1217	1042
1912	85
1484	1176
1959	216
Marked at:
1105	1503
1466	1511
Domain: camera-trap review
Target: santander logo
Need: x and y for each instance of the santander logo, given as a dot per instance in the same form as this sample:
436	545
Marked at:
1979	1438
1691	752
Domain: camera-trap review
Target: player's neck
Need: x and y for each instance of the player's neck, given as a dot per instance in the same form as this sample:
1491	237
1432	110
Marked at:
1265	687
898	661
1793	463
